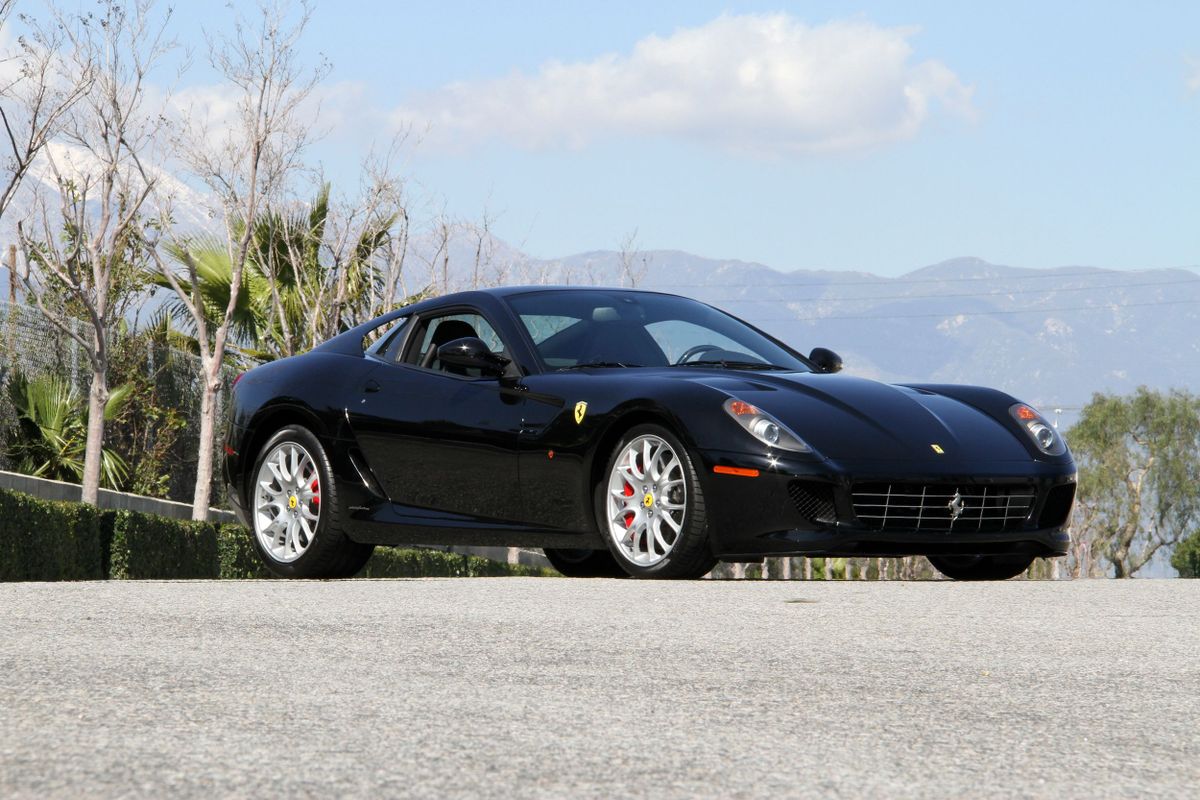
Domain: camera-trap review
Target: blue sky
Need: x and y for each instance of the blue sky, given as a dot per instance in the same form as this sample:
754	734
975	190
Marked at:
1049	134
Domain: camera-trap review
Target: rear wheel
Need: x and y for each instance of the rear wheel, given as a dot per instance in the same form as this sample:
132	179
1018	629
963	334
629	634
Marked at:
650	507
295	513
584	563
980	568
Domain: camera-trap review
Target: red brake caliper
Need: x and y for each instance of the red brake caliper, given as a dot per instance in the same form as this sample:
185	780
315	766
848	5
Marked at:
316	497
629	515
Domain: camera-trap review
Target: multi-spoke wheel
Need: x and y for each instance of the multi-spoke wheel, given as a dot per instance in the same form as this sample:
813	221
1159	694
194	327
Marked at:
651	508
287	501
294	511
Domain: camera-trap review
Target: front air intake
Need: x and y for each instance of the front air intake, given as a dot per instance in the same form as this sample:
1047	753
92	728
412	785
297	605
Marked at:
1057	509
814	501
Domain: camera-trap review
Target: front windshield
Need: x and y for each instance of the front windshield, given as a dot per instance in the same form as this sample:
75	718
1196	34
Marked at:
575	328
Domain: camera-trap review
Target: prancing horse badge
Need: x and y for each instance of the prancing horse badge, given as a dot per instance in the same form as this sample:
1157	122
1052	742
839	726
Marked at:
580	410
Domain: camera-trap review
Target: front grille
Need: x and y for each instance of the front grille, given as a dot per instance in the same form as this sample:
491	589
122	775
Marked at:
942	506
813	500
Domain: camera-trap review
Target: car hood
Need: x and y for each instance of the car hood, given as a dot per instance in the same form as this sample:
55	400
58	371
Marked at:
844	417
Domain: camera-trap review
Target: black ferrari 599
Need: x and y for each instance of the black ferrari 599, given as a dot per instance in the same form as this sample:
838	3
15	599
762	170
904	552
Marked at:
628	433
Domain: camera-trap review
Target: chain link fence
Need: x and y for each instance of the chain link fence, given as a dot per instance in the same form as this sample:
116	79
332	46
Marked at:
32	345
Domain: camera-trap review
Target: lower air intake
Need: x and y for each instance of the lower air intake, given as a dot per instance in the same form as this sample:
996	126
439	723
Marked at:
814	501
942	507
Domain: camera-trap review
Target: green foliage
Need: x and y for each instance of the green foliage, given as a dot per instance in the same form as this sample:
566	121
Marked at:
149	433
1186	558
1139	474
149	546
296	289
51	541
236	554
390	562
44	541
51	432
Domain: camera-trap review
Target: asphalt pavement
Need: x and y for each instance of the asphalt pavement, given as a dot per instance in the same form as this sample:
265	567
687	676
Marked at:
538	687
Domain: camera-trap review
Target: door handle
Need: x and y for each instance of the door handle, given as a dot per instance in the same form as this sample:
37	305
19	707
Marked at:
373	386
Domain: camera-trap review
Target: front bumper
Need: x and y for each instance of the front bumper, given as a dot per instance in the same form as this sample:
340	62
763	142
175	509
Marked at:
753	517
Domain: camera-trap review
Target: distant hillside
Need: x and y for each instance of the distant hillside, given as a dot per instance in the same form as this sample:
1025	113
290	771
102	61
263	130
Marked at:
1052	337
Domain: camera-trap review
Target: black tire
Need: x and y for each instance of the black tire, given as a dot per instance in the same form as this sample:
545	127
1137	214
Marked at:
980	568
332	554
584	563
691	555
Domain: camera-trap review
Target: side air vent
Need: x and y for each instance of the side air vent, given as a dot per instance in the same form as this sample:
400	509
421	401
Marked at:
1057	509
814	501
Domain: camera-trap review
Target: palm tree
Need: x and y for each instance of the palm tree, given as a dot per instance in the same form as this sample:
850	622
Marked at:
297	289
51	431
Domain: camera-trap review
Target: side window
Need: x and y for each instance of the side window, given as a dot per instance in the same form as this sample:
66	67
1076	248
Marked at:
383	342
437	331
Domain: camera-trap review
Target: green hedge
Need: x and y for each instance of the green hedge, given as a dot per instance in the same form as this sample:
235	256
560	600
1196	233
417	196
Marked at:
43	540
390	562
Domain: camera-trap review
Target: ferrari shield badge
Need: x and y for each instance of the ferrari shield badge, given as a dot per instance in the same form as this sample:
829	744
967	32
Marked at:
580	411
937	448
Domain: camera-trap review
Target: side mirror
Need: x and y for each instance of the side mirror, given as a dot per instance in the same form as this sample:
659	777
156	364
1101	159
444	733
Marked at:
825	359
472	352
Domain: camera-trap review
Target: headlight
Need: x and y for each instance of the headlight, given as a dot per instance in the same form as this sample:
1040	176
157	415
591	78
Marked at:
764	427
1044	437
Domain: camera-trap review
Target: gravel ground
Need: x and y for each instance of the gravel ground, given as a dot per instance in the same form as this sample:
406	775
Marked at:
541	687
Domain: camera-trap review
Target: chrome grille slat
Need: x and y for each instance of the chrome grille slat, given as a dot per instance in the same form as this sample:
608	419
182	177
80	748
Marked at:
932	507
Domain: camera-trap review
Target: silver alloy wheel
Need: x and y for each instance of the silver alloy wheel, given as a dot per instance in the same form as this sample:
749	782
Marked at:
646	501
287	502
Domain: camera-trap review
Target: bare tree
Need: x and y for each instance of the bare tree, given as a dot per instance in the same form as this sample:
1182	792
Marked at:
633	262
246	161
37	88
85	259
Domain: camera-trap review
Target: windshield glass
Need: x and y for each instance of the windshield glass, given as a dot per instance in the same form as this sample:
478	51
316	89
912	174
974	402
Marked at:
573	328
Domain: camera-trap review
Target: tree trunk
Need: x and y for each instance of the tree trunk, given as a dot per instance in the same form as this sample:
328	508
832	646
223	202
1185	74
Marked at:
94	449
204	457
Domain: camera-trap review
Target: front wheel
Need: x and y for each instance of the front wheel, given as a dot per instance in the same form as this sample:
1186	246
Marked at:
980	568
295	512
650	507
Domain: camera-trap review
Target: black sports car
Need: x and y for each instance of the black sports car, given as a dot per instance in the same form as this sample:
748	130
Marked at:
628	432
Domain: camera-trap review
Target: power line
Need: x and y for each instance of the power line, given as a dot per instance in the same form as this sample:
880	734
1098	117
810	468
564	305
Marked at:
943	315
904	280
1192	281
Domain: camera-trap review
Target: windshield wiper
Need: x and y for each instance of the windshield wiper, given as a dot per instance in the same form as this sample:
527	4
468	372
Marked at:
733	365
600	364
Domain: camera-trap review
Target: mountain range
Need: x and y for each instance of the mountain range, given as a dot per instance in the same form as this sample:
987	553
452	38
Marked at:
1052	337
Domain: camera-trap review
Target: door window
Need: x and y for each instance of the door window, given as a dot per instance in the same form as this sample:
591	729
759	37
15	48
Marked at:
437	331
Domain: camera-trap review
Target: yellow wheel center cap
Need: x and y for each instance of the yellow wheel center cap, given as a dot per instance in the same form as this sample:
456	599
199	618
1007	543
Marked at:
648	500
292	501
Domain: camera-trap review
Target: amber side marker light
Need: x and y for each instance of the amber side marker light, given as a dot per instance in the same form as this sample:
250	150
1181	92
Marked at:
745	473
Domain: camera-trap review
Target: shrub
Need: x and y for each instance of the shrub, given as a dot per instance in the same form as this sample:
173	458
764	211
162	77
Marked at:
47	541
1186	558
149	546
238	558
392	562
42	540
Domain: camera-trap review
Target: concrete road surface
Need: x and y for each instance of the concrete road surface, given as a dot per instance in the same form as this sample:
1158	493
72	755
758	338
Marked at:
566	688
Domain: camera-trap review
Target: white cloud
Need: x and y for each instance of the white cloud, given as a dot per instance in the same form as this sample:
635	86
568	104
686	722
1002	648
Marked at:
1193	79
760	83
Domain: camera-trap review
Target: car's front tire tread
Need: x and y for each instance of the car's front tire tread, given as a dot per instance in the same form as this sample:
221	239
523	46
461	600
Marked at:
981	568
